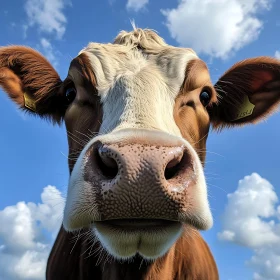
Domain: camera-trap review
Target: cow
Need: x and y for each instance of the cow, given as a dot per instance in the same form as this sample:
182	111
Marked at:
137	113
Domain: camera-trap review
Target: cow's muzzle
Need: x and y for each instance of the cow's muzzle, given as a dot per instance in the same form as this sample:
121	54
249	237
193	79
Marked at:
137	175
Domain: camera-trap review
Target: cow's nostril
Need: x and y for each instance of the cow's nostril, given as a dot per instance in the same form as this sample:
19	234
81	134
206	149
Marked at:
175	165
107	164
172	169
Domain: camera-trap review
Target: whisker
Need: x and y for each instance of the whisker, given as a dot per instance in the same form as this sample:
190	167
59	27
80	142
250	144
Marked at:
75	242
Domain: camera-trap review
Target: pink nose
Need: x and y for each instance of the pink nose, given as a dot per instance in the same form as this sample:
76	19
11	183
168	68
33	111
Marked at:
139	180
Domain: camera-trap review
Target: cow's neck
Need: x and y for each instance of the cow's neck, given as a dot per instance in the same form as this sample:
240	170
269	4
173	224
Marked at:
190	258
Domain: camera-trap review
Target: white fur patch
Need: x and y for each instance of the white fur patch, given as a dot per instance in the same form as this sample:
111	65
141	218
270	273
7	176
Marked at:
138	90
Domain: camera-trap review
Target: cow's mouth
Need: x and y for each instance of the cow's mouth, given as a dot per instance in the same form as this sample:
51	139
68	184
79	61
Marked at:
139	224
125	238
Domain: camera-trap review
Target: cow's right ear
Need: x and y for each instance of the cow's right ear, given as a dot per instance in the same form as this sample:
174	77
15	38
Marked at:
31	81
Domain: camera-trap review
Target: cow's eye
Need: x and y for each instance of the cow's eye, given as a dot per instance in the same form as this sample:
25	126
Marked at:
70	95
205	97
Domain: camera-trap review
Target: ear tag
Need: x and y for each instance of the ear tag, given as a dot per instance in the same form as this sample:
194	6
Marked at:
246	109
29	102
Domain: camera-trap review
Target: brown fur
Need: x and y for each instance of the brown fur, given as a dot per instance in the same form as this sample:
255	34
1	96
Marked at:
22	69
188	259
83	119
259	79
190	115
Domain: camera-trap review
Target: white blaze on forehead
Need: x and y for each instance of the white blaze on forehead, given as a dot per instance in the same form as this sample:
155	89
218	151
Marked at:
138	89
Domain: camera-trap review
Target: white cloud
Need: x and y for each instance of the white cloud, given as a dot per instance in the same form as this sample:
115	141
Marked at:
136	5
251	219
25	240
47	15
277	54
49	51
216	28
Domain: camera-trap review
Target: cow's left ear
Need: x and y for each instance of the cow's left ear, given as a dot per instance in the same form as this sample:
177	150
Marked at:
31	82
248	92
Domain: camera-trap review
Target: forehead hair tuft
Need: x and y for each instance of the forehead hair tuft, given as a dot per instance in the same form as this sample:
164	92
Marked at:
145	39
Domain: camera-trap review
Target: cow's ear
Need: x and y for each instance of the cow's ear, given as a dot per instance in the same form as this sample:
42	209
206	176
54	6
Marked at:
248	92
31	81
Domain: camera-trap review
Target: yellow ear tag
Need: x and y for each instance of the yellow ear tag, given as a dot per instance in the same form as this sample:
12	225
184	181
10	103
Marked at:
246	109
29	102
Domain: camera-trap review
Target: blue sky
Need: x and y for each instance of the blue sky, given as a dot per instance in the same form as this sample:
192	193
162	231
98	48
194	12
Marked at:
33	153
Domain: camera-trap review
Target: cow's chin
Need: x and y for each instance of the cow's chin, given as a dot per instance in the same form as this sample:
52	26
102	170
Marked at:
124	242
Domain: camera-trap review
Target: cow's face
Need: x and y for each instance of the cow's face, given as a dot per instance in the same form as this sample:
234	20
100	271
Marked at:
137	114
144	118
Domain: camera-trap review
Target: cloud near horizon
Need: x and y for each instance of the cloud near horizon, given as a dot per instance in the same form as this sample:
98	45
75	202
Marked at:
27	233
252	219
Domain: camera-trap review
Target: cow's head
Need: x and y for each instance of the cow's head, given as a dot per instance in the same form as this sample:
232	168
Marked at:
137	114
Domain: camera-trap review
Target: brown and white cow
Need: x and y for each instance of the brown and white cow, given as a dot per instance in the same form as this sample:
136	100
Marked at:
137	114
